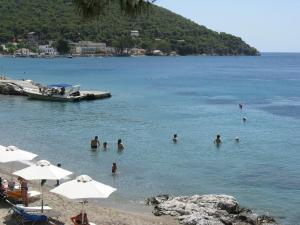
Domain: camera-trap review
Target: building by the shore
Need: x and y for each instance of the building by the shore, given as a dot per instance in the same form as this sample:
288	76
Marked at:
137	51
24	52
88	48
47	50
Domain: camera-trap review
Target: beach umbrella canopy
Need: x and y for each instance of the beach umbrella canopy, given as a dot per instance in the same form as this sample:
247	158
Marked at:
12	154
43	170
83	187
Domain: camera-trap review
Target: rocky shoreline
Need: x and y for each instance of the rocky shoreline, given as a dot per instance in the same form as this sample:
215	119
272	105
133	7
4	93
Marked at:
15	87
207	210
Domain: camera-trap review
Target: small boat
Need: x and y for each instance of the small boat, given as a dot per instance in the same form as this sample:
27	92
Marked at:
55	92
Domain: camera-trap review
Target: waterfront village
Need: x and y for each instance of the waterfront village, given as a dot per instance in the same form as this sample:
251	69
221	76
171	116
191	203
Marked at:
35	48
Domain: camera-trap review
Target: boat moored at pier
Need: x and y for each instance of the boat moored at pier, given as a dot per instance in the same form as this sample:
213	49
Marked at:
55	92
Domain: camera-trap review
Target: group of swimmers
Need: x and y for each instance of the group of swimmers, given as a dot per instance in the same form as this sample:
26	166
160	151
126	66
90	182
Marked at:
95	143
218	140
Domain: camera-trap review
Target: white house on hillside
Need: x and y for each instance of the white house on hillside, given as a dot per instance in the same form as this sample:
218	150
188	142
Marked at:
47	50
134	33
23	52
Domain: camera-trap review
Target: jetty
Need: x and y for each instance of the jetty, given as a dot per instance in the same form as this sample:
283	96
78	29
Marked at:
17	87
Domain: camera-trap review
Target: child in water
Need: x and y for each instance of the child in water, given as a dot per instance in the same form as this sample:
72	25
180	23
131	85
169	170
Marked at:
114	168
175	138
105	145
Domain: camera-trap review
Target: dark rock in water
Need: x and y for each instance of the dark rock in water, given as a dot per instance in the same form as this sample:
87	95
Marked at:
207	210
263	219
157	200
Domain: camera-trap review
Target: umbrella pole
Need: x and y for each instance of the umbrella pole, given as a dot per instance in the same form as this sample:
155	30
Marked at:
11	171
42	198
82	213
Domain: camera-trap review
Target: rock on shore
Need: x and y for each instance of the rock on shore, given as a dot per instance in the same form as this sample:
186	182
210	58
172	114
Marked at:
207	210
15	87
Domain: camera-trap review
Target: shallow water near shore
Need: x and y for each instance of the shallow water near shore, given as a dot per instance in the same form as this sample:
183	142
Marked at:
155	97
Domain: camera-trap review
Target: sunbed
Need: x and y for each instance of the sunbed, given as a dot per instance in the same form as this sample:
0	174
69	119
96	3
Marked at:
32	214
33	208
23	217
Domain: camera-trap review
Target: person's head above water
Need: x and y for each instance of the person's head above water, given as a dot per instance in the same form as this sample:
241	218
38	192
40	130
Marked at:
218	136
119	141
96	137
175	136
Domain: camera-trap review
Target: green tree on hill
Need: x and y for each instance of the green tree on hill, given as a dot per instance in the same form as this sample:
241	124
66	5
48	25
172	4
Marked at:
163	45
63	47
123	43
94	8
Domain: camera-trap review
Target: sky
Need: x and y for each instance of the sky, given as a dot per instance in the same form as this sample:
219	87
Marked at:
268	25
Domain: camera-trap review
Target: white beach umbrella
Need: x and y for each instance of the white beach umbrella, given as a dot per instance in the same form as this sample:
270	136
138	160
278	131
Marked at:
83	187
43	170
12	154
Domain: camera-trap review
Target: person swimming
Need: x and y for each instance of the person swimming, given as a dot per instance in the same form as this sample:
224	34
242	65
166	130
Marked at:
120	144
218	140
95	142
244	119
241	106
105	145
237	139
175	138
114	168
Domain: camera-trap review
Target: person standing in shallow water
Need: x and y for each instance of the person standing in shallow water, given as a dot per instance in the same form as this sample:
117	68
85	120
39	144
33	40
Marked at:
105	145
175	139
218	141
95	143
120	145
114	168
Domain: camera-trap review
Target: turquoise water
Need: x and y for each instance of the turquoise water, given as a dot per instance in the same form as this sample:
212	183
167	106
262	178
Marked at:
155	97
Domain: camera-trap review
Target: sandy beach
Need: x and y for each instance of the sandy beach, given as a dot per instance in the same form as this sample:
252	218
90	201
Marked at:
96	214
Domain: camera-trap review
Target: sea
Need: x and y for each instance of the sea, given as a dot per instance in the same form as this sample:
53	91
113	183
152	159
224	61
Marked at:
195	97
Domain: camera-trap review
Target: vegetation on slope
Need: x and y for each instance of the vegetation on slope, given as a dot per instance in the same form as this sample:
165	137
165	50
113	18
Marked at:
158	27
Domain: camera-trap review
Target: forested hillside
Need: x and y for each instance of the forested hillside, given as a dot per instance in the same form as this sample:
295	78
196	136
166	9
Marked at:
158	27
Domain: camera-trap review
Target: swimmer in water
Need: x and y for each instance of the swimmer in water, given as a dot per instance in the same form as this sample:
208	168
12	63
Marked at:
218	141
175	138
105	145
114	168
237	139
120	144
244	119
95	143
241	106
